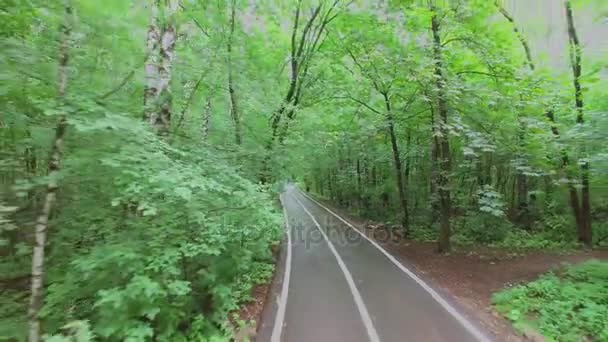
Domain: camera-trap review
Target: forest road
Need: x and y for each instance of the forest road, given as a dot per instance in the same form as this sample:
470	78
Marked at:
338	285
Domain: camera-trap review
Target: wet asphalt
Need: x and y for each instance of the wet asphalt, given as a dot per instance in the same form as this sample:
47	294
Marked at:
321	304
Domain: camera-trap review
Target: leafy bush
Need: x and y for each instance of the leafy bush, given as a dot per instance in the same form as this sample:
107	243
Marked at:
479	227
571	306
423	233
600	233
152	241
193	238
524	240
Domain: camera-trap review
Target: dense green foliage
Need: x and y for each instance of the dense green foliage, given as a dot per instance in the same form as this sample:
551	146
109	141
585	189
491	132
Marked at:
570	306
150	237
162	225
507	178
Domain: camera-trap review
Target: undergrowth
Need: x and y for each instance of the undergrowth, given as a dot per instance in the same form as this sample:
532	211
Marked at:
567	306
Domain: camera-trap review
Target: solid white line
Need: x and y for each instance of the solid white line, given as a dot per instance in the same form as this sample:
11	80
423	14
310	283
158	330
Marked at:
280	317
367	321
449	308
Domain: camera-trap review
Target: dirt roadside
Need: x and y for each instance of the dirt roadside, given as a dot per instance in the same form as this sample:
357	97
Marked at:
471	276
261	308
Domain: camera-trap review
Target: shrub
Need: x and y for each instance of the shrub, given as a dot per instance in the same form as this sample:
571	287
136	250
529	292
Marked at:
571	306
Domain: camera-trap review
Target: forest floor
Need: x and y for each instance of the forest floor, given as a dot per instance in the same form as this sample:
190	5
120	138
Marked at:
252	311
471	275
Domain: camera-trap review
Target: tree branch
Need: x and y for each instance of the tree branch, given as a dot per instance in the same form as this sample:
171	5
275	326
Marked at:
194	20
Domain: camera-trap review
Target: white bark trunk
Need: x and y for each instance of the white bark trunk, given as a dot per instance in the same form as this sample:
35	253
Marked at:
151	68
167	55
42	223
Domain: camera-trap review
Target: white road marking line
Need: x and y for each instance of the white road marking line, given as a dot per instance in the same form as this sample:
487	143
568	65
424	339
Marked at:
279	320
367	321
449	308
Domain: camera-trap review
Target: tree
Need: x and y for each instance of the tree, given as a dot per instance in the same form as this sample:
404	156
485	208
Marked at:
160	42
42	223
442	137
582	211
234	113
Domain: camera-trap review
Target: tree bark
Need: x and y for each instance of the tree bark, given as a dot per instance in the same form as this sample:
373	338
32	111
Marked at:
168	39
397	161
445	202
584	216
434	195
206	120
42	223
234	113
151	66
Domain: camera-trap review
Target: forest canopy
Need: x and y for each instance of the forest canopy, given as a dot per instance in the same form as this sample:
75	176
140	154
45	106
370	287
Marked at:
144	144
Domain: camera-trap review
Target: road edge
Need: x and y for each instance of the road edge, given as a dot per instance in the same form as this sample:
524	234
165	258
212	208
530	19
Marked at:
278	290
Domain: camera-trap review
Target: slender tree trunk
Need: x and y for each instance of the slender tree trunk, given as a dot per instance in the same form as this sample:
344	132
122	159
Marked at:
330	185
42	223
359	188
445	202
522	180
519	35
206	120
151	67
433	194
397	161
584	216
582	226
168	39
408	163
234	113
521	205
189	101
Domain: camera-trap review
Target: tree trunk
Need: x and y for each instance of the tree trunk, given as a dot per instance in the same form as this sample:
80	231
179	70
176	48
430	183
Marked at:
206	120
519	35
397	161
167	55
584	211
359	188
151	67
434	196
583	222
408	163
521	207
189	101
445	202
234	113
42	223
522	182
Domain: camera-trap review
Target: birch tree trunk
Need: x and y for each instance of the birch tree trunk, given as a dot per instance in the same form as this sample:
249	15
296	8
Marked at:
151	66
168	38
42	223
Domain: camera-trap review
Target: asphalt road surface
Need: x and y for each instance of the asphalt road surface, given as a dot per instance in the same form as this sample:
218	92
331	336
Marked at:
338	285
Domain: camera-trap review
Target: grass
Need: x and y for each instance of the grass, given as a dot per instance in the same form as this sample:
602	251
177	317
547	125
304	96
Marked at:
568	306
